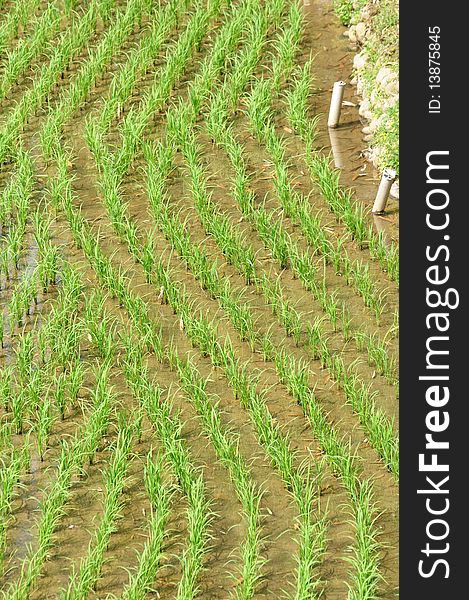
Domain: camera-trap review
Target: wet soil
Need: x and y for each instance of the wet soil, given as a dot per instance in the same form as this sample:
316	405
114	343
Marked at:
279	525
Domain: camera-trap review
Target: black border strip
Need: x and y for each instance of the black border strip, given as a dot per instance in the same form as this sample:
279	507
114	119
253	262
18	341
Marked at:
446	250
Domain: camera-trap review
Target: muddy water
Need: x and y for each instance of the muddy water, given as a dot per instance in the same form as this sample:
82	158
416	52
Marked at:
333	61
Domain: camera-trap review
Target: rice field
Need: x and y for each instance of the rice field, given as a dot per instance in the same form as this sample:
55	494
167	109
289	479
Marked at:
199	321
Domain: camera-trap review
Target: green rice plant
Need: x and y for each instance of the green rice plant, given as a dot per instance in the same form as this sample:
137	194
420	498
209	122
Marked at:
43	425
60	398
198	516
19	59
378	355
76	377
6	386
10	485
103	400
83	582
36	388
160	495
24	356
365	574
226	447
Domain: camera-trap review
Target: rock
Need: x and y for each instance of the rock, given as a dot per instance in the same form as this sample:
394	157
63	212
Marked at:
392	88
383	73
353	81
393	100
369	129
374	98
364	107
359	62
395	190
352	34
360	32
367	138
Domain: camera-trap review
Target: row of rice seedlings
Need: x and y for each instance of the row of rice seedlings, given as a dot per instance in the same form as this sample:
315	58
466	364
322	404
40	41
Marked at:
70	43
11	470
168	427
28	48
141	58
378	427
226	447
14	208
78	90
349	212
175	63
199	515
160	494
365	549
17	18
53	505
84	581
303	486
295	205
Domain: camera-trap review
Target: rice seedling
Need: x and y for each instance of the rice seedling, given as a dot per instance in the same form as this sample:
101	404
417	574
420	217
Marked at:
340	200
84	581
43	425
226	448
18	60
160	495
176	72
16	19
10	475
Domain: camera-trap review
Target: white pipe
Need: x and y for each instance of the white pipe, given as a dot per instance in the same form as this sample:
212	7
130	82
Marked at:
387	179
336	104
337	153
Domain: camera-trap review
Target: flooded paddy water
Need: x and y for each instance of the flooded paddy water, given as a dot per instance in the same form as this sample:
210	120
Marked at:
199	377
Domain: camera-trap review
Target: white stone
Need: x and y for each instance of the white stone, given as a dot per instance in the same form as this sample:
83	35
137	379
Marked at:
395	190
360	32
364	107
383	73
392	88
359	62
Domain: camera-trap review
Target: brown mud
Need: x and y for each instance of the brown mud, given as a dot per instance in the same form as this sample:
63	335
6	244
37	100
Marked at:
279	523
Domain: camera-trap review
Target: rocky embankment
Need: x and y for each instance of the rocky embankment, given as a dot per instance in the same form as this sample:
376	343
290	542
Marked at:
374	31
